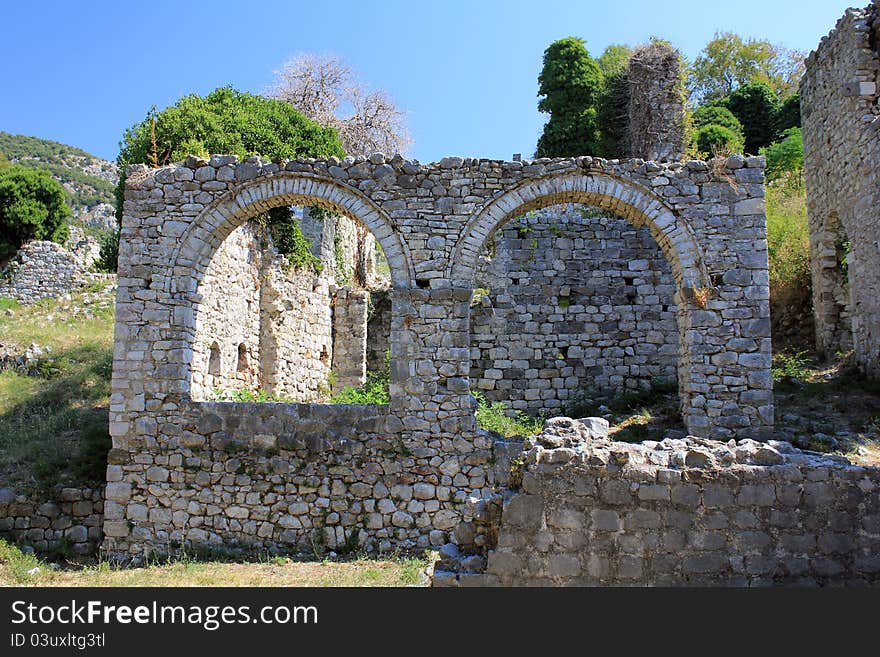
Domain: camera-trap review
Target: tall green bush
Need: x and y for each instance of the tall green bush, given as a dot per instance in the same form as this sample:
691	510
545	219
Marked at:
33	205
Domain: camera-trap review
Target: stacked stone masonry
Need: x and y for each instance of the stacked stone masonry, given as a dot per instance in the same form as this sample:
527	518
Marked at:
588	511
43	269
656	122
569	300
170	471
841	126
70	521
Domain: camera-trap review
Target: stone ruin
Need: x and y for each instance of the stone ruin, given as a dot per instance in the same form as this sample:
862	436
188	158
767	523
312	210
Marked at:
583	510
841	126
43	269
186	470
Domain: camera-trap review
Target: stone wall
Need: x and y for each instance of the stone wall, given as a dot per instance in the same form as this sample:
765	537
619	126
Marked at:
841	126
378	329
571	299
39	270
71	520
228	317
43	269
261	324
588	511
432	222
656	125
350	338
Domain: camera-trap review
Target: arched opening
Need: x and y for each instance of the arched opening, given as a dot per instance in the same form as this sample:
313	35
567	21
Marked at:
297	320
590	280
242	364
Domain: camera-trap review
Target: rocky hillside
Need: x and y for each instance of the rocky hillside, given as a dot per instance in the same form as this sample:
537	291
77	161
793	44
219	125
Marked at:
89	179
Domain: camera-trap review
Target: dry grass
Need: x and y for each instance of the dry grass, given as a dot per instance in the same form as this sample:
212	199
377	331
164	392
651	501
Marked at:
20	569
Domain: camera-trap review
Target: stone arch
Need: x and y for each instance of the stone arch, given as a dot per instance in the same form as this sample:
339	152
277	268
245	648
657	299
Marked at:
206	233
628	200
633	202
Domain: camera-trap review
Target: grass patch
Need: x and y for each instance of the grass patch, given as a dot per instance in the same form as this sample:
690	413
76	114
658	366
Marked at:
8	304
17	569
496	417
373	391
54	418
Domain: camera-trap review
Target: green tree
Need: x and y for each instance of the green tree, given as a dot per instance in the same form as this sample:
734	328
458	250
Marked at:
4	162
713	138
717	115
614	59
613	105
225	121
728	61
785	158
33	205
789	114
755	105
570	84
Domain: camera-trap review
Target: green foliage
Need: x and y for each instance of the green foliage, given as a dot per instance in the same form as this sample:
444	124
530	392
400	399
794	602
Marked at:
614	59
790	367
785	158
225	121
788	245
109	256
33	205
244	395
373	391
17	565
755	105
60	160
494	417
712	138
789	114
570	84
728	62
4	162
289	239
717	115
613	115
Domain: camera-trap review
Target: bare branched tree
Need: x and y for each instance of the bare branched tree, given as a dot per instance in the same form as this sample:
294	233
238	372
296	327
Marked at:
324	89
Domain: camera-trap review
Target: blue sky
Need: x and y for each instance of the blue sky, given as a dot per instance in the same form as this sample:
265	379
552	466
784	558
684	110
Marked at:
464	71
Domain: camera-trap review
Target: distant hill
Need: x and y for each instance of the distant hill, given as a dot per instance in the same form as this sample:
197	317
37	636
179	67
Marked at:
89	179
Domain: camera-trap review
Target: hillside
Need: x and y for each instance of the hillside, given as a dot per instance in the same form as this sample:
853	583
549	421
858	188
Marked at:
89	179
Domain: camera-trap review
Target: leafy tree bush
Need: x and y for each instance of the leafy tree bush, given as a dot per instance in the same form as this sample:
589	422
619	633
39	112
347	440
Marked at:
728	61
230	122
755	105
717	115
714	138
789	114
4	162
109	252
785	158
33	205
570	83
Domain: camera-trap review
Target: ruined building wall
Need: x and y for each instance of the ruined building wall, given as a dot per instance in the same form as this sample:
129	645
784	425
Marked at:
238	475
263	325
297	334
841	126
228	317
588	511
378	329
657	98
575	300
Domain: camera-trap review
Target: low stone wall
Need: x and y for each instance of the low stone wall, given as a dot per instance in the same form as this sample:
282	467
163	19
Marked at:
590	511
40	269
285	478
71	520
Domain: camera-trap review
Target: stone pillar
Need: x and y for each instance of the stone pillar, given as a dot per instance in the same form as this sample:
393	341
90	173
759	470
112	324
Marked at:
656	103
350	338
